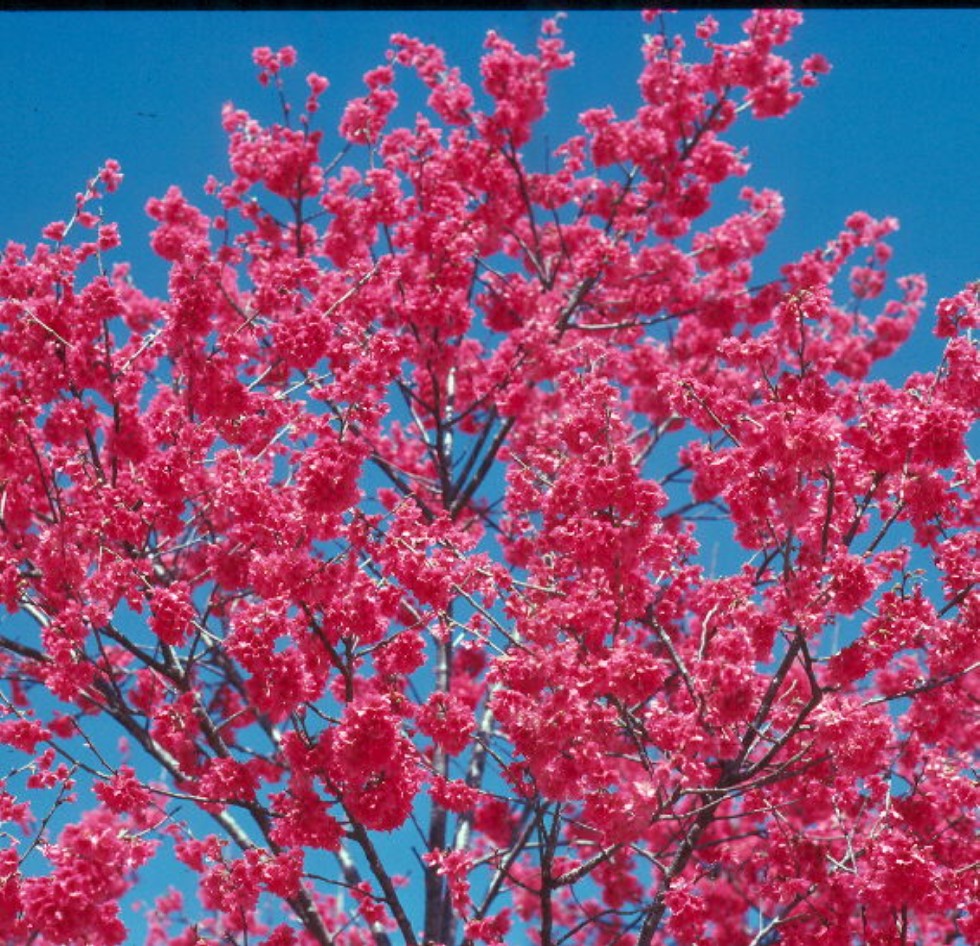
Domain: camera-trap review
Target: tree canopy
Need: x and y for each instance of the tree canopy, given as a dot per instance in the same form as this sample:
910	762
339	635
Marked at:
365	575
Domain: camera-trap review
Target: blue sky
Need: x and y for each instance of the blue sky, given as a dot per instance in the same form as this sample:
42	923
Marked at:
892	130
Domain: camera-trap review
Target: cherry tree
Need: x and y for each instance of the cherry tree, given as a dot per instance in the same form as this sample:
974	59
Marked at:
362	582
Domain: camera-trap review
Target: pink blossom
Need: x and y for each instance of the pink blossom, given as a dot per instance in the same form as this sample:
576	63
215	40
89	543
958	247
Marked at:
501	514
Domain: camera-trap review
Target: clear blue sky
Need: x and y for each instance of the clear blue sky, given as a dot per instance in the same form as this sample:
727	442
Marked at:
892	130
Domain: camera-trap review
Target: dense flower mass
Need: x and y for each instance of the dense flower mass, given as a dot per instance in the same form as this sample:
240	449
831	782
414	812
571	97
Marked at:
366	581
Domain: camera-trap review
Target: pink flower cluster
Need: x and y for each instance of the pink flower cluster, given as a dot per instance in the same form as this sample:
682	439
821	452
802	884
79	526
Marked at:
501	523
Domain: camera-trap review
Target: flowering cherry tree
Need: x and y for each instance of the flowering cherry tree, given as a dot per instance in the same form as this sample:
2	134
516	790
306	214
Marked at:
365	581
